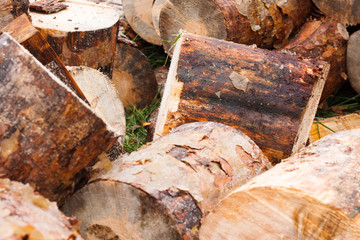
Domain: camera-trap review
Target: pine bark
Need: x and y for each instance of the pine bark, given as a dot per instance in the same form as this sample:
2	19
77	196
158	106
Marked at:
164	190
47	134
325	40
28	215
271	97
77	35
267	24
353	61
312	195
10	9
133	76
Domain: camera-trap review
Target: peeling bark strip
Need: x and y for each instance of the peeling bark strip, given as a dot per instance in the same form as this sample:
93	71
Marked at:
275	109
133	76
10	9
313	195
26	215
23	32
163	190
260	22
325	40
77	35
47	134
48	6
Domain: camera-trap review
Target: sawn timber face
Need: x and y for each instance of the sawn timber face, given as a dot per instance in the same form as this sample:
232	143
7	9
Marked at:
47	135
269	104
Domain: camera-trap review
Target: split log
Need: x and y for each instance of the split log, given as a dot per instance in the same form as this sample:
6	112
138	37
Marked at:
23	32
353	60
77	35
312	195
104	100
325	40
133	76
323	127
249	22
10	9
27	215
345	12
163	190
139	15
270	96
47	134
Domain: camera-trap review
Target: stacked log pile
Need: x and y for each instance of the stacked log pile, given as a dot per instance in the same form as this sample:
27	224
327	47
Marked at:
229	156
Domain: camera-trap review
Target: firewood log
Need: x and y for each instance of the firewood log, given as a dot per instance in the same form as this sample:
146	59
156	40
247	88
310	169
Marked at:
353	60
139	15
270	96
325	40
47	134
312	195
133	76
84	34
346	12
23	31
10	9
323	127
163	190
28	215
249	22
156	9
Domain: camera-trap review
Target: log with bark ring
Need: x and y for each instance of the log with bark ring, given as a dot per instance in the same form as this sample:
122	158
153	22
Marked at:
270	96
28	215
264	23
139	15
163	190
313	195
78	36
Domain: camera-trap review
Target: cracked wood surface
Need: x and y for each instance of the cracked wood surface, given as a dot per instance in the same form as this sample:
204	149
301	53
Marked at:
183	174
314	194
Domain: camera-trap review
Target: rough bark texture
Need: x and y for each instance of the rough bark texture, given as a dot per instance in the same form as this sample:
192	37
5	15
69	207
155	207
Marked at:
77	35
133	76
179	178
27	215
264	23
325	40
139	15
48	6
47	134
346	12
323	127
312	195
271	97
10	9
23	31
353	60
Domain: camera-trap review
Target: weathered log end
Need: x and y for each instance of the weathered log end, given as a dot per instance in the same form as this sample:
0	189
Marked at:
163	190
271	97
47	134
353	60
28	215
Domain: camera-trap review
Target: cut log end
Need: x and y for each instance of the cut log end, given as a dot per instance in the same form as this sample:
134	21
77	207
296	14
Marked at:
353	60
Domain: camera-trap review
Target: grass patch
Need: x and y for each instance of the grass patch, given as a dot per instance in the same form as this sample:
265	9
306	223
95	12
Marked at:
136	120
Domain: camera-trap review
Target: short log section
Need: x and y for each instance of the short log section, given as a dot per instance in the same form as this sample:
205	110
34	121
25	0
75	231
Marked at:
271	97
83	34
47	134
139	15
133	76
249	22
312	195
325	40
163	190
28	215
353	61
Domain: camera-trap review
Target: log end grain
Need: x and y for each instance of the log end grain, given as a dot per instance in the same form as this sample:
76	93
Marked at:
353	60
